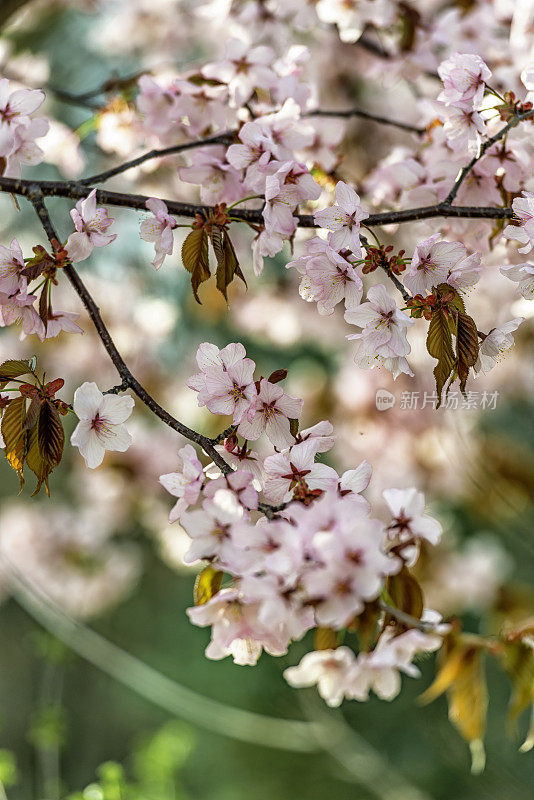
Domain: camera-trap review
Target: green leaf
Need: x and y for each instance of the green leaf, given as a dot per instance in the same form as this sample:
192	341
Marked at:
439	345
195	258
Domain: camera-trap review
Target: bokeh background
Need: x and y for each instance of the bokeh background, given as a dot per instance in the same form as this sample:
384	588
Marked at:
101	547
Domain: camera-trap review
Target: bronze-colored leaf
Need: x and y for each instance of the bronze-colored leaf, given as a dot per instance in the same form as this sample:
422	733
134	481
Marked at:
325	639
228	267
44	305
207	584
51	436
196	259
13	369
439	345
14	435
466	345
405	593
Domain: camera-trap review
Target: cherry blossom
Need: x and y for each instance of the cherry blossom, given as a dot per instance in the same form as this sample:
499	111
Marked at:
243	69
232	391
464	76
17	309
523	275
236	629
329	279
101	426
296	470
91	222
331	670
158	229
384	325
495	344
410	525
16	106
523	233
185	484
343	220
273	411
431	264
11	266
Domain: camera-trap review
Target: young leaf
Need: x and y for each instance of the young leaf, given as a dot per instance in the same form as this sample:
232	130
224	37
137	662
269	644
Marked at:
439	345
46	442
227	266
195	258
51	436
405	593
13	369
518	661
466	345
325	639
15	436
207	584
462	677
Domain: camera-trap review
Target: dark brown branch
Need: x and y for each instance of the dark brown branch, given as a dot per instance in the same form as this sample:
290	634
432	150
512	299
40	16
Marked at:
78	191
464	172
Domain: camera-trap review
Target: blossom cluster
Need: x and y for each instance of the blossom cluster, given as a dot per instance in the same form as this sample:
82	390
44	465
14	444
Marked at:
19	129
316	559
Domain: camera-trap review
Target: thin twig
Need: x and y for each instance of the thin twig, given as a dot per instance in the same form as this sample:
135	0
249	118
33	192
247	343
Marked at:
407	619
221	138
360	112
464	172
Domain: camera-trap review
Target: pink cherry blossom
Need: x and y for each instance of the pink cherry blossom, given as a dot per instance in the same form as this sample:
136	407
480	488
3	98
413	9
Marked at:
18	309
295	469
210	529
384	325
343	220
523	233
101	426
232	391
432	262
11	266
496	344
243	69
91	224
219	181
185	484
236	629
62	321
464	76
158	229
273	411
16	107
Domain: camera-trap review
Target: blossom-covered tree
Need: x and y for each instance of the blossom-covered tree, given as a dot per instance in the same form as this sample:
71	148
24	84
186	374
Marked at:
285	543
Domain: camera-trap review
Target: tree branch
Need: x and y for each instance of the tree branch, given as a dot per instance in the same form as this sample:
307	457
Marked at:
128	380
464	172
226	137
360	112
77	191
